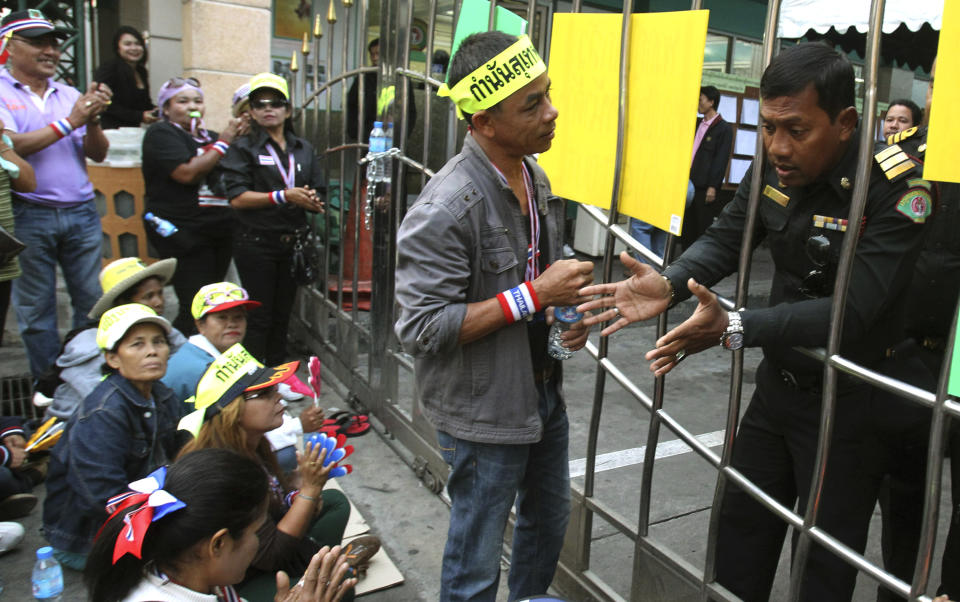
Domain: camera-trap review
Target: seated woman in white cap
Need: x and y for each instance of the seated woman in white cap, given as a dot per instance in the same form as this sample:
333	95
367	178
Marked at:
126	280
122	431
220	314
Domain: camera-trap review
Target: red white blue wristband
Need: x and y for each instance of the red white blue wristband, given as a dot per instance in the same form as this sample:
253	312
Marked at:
519	302
220	146
62	127
277	197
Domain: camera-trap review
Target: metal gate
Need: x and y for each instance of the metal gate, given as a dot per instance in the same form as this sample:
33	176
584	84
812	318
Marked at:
359	346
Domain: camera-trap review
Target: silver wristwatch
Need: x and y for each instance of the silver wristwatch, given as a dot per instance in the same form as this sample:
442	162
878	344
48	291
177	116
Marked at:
732	337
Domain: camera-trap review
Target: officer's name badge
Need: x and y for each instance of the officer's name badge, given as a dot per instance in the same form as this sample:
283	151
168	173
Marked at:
916	204
829	223
776	196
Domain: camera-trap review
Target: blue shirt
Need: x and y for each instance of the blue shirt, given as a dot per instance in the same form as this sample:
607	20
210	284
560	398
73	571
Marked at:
61	168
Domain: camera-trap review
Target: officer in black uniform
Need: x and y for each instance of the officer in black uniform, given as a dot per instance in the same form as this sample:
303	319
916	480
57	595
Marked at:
810	137
902	428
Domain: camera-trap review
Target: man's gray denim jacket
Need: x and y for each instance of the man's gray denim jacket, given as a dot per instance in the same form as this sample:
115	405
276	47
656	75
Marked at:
463	241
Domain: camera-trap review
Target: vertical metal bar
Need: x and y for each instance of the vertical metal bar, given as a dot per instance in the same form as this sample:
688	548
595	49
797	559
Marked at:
428	91
492	19
938	441
354	292
838	302
600	383
399	189
531	10
453	126
743	279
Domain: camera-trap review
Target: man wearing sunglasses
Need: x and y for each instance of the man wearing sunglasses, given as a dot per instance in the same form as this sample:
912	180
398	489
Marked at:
810	136
55	128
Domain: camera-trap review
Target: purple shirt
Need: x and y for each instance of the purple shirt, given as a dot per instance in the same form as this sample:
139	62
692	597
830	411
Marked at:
61	168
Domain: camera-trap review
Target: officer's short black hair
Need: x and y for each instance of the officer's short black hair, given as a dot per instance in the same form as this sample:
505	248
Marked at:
712	94
796	67
373	44
474	51
916	113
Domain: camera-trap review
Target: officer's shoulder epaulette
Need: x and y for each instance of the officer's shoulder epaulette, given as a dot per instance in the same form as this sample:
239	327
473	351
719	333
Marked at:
894	162
902	135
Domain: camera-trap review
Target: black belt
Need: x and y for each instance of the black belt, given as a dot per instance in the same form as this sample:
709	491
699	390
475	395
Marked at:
545	374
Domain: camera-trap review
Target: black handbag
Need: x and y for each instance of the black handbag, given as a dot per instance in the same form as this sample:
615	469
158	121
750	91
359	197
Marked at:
10	246
305	267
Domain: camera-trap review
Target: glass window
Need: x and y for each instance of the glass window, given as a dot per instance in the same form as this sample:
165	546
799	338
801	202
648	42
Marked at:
747	59
715	53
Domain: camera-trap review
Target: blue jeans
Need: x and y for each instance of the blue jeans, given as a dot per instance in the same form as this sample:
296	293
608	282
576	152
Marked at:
485	479
71	237
649	236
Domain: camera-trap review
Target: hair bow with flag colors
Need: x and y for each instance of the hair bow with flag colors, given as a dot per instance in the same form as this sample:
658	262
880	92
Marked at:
154	503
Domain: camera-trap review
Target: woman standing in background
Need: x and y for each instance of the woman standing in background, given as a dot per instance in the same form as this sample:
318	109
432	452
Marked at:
126	74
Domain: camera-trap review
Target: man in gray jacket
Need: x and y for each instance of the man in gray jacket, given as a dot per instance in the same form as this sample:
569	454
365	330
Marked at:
478	272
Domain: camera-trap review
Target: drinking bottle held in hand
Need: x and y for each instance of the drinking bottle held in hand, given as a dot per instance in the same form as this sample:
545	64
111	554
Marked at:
162	226
563	318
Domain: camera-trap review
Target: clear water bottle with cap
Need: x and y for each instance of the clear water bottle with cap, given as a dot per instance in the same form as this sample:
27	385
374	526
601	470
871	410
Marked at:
47	576
563	319
162	226
378	144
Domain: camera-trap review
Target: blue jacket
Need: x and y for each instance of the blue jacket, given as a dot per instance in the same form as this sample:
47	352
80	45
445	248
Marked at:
115	437
184	370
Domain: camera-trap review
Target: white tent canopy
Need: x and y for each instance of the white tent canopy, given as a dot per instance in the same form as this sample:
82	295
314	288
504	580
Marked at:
799	16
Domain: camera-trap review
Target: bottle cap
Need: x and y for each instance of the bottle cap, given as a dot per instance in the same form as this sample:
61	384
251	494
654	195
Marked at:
377	124
44	553
148	215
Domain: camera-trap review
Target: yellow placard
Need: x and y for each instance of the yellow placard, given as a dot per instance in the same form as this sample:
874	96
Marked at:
940	162
666	62
584	63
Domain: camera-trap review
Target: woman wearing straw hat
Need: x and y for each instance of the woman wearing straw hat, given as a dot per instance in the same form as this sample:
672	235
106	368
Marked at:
272	178
126	280
122	431
181	177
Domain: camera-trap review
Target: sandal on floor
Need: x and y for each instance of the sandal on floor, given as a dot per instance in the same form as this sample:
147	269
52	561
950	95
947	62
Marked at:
359	551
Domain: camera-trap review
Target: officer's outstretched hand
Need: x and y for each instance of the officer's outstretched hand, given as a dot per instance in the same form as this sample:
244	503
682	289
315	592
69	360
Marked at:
700	331
642	296
559	284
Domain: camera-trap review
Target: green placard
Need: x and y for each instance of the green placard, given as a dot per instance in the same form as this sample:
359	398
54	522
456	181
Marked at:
475	17
953	385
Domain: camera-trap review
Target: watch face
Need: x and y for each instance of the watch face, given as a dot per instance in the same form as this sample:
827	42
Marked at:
733	341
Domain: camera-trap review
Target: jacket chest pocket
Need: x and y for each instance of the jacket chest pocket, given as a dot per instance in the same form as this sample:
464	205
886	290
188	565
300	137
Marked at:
139	447
496	270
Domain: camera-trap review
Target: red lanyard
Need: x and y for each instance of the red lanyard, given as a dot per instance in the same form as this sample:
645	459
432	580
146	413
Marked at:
288	176
533	251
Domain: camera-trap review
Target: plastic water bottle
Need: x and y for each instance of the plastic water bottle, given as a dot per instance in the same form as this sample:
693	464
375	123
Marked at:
162	226
388	134
47	576
563	318
378	144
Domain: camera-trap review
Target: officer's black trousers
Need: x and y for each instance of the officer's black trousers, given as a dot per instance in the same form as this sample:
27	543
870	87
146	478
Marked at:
776	449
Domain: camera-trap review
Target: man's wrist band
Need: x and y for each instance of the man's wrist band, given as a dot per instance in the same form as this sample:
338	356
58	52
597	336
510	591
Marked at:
62	127
519	302
220	146
277	197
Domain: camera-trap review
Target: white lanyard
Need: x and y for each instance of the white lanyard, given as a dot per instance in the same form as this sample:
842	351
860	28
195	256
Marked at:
288	176
533	249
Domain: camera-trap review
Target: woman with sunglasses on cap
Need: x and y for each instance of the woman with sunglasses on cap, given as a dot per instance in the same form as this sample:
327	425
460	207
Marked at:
182	185
126	280
220	314
272	178
235	412
122	431
195	537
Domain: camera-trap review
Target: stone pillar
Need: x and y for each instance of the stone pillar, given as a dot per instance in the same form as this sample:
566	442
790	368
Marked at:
224	43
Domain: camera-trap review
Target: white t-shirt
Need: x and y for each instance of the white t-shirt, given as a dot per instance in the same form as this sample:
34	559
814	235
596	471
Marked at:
153	588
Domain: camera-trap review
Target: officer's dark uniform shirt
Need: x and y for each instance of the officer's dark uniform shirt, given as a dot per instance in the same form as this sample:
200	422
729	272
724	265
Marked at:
936	281
799	309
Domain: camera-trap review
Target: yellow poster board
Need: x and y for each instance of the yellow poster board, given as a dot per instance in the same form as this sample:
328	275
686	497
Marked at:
940	162
666	62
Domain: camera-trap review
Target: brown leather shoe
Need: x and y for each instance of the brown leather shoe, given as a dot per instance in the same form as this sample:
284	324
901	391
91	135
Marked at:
359	551
17	506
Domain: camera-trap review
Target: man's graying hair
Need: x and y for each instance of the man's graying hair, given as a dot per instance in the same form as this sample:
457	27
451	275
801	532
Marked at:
795	68
474	52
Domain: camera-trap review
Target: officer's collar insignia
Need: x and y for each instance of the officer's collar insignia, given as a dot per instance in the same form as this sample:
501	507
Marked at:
829	223
776	196
893	161
845	183
919	183
916	204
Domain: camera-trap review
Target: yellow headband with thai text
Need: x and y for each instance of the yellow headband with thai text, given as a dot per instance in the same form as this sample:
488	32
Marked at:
496	79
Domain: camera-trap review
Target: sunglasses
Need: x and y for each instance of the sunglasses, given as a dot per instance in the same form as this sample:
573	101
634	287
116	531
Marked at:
41	42
818	282
267	103
176	82
264	394
218	297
